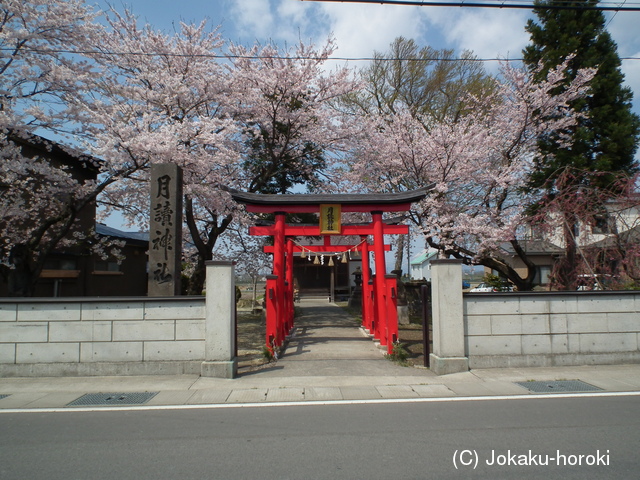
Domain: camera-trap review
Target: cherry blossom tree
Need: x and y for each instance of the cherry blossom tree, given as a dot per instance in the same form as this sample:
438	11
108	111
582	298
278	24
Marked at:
41	200
259	122
286	110
168	102
126	97
477	163
281	102
430	84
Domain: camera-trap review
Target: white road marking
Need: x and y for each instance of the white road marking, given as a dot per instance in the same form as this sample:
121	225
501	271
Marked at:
378	401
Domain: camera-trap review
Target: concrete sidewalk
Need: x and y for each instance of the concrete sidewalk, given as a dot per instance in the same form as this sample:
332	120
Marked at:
329	358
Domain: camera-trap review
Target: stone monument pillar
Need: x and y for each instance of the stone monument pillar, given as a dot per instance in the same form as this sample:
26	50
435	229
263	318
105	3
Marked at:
165	230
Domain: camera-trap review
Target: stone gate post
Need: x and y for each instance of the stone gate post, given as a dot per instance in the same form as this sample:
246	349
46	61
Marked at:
220	321
448	323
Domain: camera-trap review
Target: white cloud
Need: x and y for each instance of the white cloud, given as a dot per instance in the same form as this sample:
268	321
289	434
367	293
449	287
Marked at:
488	33
359	30
254	20
296	11
299	21
362	29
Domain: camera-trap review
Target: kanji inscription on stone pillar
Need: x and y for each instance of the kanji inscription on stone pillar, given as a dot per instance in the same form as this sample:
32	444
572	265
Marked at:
165	230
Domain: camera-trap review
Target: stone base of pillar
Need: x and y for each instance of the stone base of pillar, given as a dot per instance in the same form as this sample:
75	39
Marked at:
447	365
221	369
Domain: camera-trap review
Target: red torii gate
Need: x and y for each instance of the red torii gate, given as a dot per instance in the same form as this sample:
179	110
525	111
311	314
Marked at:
379	302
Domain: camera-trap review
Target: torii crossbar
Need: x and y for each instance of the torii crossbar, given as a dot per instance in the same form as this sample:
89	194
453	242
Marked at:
379	302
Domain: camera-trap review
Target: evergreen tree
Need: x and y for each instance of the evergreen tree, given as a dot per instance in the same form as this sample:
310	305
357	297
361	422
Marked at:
606	139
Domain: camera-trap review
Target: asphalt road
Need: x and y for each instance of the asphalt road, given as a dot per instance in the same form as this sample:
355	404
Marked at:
600	436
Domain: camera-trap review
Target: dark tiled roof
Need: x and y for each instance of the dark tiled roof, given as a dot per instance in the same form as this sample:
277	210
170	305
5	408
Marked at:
341	198
534	247
49	148
102	229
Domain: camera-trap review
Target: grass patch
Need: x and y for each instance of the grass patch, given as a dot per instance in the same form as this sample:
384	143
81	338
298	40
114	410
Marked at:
398	355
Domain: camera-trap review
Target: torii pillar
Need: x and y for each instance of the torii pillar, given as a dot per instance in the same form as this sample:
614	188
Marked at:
379	286
367	313
279	270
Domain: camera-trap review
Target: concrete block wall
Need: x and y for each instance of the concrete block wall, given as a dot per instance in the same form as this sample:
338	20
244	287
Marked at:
102	337
551	328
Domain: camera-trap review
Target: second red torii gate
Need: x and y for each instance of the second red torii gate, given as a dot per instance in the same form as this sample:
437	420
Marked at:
379	303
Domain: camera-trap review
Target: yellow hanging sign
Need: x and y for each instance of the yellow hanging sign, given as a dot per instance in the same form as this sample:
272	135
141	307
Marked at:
330	221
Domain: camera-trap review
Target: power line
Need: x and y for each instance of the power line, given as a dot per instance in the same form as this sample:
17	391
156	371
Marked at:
556	5
614	15
272	57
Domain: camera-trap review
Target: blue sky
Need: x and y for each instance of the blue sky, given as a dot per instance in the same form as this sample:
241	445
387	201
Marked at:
360	29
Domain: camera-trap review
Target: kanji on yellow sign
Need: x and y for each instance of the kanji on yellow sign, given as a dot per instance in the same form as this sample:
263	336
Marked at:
330	218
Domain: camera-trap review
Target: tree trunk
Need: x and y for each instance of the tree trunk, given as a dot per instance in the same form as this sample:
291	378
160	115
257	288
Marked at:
566	271
399	253
495	263
203	246
254	297
197	280
506	271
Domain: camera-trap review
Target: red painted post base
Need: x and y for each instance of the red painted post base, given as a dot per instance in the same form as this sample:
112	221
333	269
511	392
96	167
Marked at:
271	301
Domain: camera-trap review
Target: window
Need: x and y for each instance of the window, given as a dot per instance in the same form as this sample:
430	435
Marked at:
576	230
604	224
104	266
542	275
60	263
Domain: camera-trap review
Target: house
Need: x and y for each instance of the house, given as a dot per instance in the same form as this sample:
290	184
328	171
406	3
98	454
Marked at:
328	275
615	260
73	268
542	253
608	246
80	273
421	264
